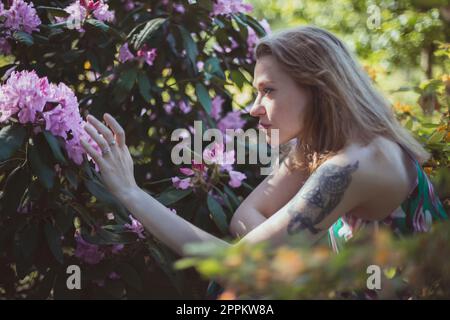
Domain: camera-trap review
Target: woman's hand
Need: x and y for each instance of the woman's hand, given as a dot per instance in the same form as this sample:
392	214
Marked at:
115	162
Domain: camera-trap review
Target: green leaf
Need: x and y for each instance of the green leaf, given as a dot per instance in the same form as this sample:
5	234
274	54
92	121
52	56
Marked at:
15	186
41	39
105	28
11	139
117	228
28	238
436	137
254	24
430	125
165	259
22	265
104	237
56	12
35	191
129	275
204	249
99	191
238	78
98	24
72	55
206	4
83	213
45	286
210	267
125	83
212	66
242	26
4	69
218	22
128	78
173	195
92	57
217	213
227	201
203	97
55	146
54	241
41	167
58	25
144	86
133	32
190	46
24	38
232	196
186	263
64	219
138	39
71	176
409	124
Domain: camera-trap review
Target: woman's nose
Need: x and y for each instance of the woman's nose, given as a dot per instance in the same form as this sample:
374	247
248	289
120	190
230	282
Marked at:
257	109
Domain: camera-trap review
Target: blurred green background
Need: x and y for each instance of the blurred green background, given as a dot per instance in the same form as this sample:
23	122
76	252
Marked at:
395	40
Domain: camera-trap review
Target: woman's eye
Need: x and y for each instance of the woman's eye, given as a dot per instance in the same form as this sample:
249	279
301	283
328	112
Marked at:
267	90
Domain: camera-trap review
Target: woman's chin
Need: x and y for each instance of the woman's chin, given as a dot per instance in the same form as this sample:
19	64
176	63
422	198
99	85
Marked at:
271	137
272	141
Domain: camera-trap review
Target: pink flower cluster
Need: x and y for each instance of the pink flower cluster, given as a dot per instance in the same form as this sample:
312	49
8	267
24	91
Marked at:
87	252
252	40
92	253
80	10
215	155
135	227
178	7
128	4
20	16
183	106
227	49
146	54
227	7
232	120
52	107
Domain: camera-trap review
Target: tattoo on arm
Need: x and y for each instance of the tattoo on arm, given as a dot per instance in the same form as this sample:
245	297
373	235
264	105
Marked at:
323	191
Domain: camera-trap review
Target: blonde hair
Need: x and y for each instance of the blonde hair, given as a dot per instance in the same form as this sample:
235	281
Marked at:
345	104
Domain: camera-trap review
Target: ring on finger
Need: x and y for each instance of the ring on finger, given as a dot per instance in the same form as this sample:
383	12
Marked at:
105	150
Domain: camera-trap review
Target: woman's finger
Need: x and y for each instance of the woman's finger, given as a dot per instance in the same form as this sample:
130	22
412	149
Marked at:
93	153
104	130
116	128
97	138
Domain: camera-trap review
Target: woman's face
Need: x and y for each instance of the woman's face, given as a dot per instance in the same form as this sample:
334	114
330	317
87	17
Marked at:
280	103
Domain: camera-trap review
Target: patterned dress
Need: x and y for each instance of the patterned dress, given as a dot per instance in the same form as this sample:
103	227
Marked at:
415	215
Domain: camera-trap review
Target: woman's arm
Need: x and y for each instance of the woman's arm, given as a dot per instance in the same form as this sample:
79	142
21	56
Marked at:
168	227
267	198
327	194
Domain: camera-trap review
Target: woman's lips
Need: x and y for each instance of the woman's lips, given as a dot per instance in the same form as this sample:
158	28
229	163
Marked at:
264	126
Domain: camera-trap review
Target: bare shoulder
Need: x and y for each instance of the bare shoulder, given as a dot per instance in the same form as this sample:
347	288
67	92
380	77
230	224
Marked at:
360	178
383	177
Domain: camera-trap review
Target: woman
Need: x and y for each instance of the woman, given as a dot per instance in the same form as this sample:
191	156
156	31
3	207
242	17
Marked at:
352	165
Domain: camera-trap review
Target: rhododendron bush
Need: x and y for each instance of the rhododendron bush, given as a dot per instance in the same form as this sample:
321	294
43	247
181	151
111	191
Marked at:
156	66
